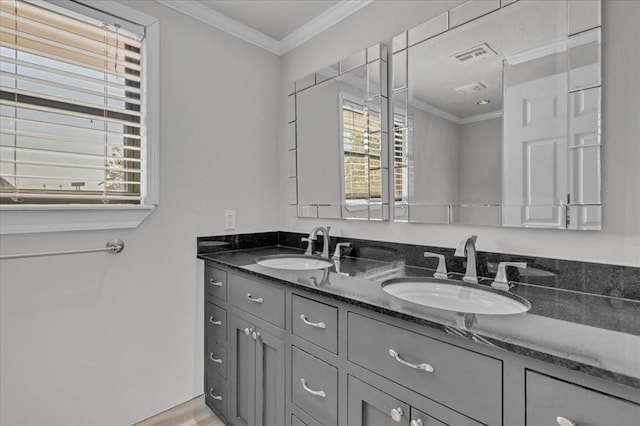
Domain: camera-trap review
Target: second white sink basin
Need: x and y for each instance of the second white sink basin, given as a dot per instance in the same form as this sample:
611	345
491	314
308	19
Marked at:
294	262
455	296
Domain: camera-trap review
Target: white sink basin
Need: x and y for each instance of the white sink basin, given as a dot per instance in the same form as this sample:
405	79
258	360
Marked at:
453	296
294	262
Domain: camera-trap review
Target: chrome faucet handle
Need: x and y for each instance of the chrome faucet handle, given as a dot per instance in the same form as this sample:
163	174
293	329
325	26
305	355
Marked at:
501	282
441	272
310	241
337	252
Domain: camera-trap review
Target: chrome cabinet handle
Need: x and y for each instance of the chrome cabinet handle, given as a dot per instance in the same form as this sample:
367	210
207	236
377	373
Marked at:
396	414
214	322
563	421
319	393
215	283
255	335
255	299
216	360
423	367
214	396
247	331
416	422
313	324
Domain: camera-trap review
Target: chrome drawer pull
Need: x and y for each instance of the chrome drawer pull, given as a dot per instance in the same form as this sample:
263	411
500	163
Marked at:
214	322
423	367
313	324
215	283
214	396
396	414
563	421
416	422
319	393
216	360
255	299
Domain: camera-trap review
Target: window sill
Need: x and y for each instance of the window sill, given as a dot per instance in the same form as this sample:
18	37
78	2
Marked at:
52	218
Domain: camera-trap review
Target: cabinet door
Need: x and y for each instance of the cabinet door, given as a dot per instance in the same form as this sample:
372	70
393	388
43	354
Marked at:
369	406
242	372
269	377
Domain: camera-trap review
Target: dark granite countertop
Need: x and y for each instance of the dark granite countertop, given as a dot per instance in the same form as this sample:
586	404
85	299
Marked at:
595	334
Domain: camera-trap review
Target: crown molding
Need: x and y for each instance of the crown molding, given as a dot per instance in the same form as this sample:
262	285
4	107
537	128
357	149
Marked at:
325	20
244	32
222	22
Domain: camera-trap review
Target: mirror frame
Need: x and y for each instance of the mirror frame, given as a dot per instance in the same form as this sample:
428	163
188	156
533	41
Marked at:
584	20
373	58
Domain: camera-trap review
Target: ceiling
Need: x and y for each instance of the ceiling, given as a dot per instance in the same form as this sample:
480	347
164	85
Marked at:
274	25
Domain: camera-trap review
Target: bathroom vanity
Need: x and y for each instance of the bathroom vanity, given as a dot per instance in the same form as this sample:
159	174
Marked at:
326	347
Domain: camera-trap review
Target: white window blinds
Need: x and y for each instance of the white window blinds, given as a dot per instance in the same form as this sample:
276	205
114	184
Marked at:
71	103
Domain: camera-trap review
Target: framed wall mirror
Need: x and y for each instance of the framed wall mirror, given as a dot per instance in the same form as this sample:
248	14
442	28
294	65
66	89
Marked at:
338	140
496	116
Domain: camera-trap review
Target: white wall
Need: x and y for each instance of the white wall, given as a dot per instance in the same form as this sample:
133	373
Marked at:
434	165
481	162
97	339
617	243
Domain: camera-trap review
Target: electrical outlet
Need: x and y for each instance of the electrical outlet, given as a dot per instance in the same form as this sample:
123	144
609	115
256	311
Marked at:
229	219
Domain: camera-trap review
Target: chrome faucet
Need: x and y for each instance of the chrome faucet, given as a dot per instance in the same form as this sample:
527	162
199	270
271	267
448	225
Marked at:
467	247
313	237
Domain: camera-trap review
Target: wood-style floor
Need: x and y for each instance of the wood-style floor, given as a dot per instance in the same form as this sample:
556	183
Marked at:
190	413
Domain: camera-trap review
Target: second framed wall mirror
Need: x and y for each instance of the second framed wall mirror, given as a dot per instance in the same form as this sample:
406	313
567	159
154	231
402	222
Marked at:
496	116
338	140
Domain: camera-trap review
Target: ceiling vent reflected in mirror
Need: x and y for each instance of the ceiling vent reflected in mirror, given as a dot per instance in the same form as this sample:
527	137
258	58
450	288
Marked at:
474	53
471	88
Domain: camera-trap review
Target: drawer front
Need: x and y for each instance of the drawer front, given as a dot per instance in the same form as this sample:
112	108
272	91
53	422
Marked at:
216	282
420	418
215	321
548	399
216	357
216	392
369	406
315	387
315	322
258	299
295	421
463	380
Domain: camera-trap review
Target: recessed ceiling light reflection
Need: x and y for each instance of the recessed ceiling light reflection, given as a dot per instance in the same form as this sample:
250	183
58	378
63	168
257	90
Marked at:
484	102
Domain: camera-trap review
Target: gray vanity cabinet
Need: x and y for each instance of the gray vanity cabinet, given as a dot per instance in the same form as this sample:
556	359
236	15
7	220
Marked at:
278	356
256	375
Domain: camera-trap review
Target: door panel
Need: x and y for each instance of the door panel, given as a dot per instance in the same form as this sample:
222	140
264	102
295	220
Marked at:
270	380
242	373
535	153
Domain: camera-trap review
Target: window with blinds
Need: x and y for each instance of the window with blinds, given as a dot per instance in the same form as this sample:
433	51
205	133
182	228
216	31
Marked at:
71	103
362	168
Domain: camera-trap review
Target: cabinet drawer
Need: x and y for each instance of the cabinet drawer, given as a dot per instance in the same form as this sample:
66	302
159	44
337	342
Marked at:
315	387
216	392
258	299
297	422
463	380
216	357
315	322
547	399
216	282
420	418
215	324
